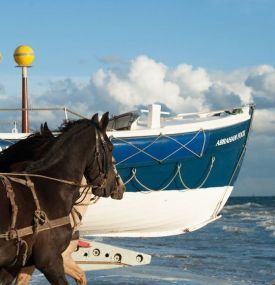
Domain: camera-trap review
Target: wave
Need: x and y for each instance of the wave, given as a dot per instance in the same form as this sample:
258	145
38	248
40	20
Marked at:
262	218
268	223
252	216
234	229
243	206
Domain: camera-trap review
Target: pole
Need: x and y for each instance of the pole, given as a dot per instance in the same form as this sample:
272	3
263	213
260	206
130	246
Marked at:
25	114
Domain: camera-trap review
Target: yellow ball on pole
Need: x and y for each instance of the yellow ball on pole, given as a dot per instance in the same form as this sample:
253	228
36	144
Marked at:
24	56
0	56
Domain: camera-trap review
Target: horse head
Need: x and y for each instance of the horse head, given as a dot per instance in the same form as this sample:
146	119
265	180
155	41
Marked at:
102	173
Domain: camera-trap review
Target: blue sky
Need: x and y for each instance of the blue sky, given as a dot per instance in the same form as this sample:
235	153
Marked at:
98	55
70	37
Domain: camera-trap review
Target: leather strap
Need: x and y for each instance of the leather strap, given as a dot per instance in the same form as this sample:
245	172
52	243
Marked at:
50	224
41	222
11	197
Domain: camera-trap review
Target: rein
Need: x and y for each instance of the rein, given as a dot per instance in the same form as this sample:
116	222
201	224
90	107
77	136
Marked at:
10	174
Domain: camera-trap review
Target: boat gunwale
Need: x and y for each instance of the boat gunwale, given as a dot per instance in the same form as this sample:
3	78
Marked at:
209	123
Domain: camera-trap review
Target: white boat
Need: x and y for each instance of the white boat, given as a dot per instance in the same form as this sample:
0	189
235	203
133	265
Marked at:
179	171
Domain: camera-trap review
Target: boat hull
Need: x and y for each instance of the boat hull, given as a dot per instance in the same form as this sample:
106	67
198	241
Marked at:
155	214
178	178
199	159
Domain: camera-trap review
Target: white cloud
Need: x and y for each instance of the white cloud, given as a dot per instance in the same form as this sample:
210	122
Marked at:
262	82
191	80
184	88
234	82
264	122
148	81
99	78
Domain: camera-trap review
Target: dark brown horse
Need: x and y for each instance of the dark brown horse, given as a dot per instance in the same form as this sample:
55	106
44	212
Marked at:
82	148
32	148
29	149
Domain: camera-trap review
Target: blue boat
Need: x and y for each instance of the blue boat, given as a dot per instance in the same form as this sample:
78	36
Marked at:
179	171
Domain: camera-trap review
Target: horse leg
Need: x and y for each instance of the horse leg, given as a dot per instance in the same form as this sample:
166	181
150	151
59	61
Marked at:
54	271
73	270
7	275
24	276
70	267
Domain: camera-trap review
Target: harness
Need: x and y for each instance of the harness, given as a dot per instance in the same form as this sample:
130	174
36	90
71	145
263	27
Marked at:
40	219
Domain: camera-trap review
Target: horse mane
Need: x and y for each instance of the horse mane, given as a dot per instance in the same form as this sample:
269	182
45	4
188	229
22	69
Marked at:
25	149
68	124
22	152
53	154
18	151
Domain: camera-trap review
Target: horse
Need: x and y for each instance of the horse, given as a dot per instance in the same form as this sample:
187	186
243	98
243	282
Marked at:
30	149
70	266
83	148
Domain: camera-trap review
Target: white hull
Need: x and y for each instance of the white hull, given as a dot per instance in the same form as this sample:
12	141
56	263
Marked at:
154	214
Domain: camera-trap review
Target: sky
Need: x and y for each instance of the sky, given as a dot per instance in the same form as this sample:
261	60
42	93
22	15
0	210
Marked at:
115	55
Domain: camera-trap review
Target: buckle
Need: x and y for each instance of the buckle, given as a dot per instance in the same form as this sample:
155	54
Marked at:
12	234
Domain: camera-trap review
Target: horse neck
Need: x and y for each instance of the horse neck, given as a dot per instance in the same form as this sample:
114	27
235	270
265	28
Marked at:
26	150
71	155
69	163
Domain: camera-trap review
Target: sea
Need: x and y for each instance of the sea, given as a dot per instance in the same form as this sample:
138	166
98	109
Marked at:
239	248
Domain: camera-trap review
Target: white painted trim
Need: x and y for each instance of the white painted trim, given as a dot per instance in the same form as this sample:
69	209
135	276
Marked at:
179	125
13	136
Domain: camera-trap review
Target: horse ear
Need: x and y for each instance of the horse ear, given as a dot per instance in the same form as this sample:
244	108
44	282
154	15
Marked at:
46	128
104	121
95	118
41	129
46	131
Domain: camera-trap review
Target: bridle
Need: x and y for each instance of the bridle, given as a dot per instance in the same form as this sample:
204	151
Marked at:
103	167
101	158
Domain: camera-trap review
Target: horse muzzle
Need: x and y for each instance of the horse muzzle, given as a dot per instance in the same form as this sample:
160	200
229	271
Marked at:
119	189
100	192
